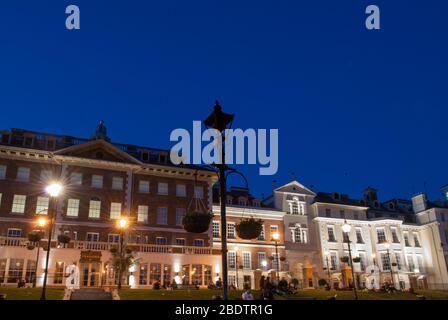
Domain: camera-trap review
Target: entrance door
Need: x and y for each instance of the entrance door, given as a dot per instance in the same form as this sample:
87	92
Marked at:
90	274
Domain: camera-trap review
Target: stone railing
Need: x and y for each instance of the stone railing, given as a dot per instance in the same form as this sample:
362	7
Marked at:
106	246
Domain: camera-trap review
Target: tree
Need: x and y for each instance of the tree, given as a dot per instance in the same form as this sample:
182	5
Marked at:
121	261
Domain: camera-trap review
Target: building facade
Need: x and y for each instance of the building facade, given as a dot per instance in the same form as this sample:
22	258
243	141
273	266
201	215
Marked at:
403	242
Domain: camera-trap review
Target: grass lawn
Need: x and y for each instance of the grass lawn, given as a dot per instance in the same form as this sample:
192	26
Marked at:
205	294
31	293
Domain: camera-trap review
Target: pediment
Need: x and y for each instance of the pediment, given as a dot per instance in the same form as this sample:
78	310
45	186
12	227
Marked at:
98	150
295	187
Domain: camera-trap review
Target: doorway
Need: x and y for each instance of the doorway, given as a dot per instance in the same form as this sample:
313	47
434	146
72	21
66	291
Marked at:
90	274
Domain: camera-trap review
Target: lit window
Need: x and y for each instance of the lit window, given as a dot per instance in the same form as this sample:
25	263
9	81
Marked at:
299	235
23	174
117	183
273	229
115	210
246	260
331	236
385	261
231	259
18	204
162	188
181	190
142	214
72	207
381	235
143	186
162	216
76	178
261	259
42	205
97	181
94	209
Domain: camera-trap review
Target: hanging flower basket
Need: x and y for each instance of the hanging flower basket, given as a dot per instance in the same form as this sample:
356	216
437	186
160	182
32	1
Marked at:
356	259
249	228
30	247
271	257
344	259
394	264
34	236
197	221
282	258
63	238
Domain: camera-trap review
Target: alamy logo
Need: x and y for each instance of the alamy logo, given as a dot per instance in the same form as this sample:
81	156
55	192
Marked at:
189	149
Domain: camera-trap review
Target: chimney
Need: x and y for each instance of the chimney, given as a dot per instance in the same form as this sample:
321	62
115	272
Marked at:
419	203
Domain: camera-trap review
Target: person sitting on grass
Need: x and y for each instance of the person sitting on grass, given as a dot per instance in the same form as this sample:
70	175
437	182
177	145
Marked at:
247	294
156	285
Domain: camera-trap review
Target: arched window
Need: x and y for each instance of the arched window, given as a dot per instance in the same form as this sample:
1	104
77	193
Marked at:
299	235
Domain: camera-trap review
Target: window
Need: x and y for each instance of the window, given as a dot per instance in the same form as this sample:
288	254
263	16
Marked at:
181	190
231	259
76	178
97	181
93	237
362	262
299	235
23	174
198	242
385	262
246	260
143	274
215	229
328	213
162	215
180	212
398	260
416	240
46	175
14	233
242	202
143	186
381	235
161	241
273	229
294	207
261	260
275	261
230	230
345	237
199	192
411	265
394	235
355	216
406	239
94	209
359	238
333	260
342	214
262	235
18	204
15	270
113	237
42	205
117	183
420	263
30	271
115	210
2	172
162	188
72	207
331	236
180	242
142	214
156	273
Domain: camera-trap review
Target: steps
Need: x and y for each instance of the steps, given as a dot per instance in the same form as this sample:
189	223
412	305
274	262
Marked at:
91	294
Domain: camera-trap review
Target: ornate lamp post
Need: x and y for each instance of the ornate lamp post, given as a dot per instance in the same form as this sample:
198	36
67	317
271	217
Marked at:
346	228
220	121
41	222
275	237
387	246
122	225
53	190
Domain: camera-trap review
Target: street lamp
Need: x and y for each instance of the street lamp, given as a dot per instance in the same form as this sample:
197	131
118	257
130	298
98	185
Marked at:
264	264
327	254
122	225
53	190
41	222
236	265
275	237
346	228
220	121
387	246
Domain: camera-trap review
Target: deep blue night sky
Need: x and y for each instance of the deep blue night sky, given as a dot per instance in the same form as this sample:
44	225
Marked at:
353	107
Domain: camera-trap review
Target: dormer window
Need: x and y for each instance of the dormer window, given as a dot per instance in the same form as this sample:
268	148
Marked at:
242	202
376	204
391	206
256	203
336	196
229	200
